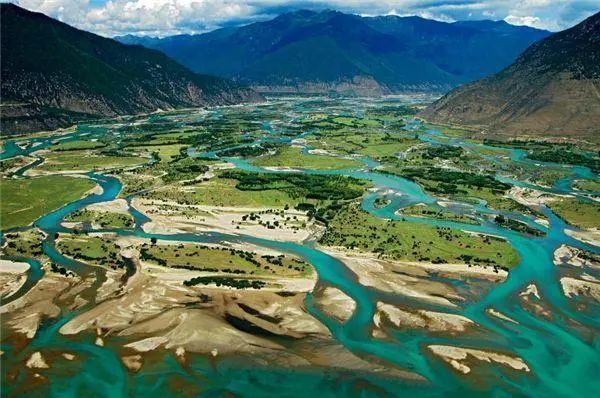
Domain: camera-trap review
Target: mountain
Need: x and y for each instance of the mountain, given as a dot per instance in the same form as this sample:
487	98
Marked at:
552	89
54	74
329	50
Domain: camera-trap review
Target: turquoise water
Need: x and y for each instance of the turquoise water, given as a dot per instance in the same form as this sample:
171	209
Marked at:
564	360
11	149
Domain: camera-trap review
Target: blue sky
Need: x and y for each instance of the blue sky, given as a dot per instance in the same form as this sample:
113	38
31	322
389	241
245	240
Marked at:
168	17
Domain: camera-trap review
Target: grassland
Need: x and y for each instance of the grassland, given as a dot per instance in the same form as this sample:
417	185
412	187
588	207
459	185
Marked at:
77	145
437	214
93	249
165	153
138	179
25	200
383	149
373	143
223	192
68	161
587	185
102	218
223	260
577	212
549	176
260	190
451	131
26	243
356	122
291	156
355	229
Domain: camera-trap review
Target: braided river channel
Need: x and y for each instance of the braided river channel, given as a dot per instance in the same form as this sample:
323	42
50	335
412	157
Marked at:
564	360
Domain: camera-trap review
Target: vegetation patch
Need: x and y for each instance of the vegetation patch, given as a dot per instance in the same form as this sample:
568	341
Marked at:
250	150
437	214
517	226
183	169
578	212
355	229
8	164
165	153
318	187
293	157
103	219
451	131
442	152
463	186
548	176
587	185
566	156
374	143
451	179
25	200
224	260
236	283
234	188
97	250
66	161
77	145
23	243
223	192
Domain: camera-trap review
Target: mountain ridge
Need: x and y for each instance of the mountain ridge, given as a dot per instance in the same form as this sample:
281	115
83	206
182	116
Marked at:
54	74
330	50
553	89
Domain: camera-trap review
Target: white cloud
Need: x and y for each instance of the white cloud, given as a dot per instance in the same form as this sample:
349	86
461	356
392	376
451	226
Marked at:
528	20
167	17
159	17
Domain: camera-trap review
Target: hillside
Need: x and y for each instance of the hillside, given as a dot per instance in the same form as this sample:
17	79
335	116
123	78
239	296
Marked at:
54	74
552	89
332	51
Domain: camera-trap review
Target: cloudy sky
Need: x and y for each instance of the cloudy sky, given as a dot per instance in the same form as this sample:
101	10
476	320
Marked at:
168	17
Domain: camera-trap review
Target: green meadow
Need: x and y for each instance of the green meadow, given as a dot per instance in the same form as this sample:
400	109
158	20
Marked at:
293	158
25	200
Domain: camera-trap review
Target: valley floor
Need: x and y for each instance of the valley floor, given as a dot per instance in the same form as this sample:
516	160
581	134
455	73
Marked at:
304	245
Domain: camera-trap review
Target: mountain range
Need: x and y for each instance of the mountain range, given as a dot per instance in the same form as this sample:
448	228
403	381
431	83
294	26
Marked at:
53	74
552	89
323	51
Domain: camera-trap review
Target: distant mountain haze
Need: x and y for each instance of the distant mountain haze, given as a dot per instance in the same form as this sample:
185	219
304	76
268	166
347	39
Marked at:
331	51
552	89
54	74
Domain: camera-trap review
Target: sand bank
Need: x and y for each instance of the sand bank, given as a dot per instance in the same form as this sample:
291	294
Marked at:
334	303
411	279
420	319
576	287
500	315
591	236
25	314
113	206
13	267
231	220
460	358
